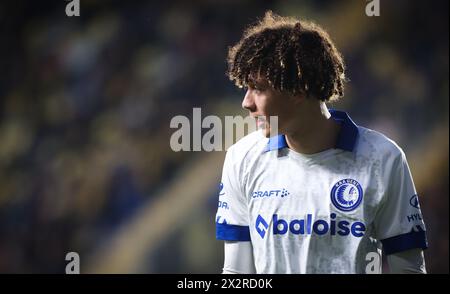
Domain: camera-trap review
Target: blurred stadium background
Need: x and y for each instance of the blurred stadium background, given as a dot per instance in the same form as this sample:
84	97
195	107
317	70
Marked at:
86	102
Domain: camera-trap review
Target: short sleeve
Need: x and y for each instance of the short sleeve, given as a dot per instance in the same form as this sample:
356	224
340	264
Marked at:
232	212
399	222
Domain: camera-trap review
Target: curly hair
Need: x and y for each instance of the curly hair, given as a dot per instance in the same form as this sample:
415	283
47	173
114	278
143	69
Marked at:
292	55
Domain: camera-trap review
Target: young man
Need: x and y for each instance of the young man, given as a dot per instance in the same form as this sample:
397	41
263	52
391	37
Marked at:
325	195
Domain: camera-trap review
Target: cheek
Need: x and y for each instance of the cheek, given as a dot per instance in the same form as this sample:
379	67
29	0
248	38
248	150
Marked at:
285	112
262	104
266	103
275	106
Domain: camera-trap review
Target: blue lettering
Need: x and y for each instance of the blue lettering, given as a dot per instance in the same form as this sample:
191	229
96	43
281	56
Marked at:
301	226
276	223
316	227
319	227
223	204
343	226
414	217
333	224
358	229
269	193
308	224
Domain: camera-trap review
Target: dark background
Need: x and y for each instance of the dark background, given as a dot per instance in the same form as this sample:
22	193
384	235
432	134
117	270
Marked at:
86	104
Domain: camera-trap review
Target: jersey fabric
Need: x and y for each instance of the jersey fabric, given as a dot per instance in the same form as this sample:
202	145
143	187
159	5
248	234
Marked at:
319	213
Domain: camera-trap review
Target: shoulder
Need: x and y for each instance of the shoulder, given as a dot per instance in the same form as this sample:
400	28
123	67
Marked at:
252	144
384	148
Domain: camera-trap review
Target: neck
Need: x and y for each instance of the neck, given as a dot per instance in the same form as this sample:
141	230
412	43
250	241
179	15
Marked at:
315	130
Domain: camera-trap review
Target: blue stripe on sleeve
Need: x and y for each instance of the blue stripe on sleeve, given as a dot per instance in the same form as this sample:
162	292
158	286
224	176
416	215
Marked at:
232	232
405	242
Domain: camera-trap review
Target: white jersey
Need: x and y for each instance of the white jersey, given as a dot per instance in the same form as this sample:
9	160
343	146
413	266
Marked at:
319	213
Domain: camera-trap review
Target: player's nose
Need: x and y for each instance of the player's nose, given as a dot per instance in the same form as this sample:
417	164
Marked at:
249	101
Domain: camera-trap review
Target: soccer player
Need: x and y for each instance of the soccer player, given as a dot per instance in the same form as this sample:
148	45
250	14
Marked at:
325	195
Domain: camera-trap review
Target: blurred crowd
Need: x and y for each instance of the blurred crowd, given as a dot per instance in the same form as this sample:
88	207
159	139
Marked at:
86	102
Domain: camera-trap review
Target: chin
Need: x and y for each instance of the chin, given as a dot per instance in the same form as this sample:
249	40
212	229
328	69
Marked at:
267	130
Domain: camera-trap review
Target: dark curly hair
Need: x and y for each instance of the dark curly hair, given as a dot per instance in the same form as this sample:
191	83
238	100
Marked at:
292	55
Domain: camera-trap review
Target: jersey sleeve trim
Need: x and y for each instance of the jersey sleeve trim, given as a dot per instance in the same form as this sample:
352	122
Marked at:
232	232
405	242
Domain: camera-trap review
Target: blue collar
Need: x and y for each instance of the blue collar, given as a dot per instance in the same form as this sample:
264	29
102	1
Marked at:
345	141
